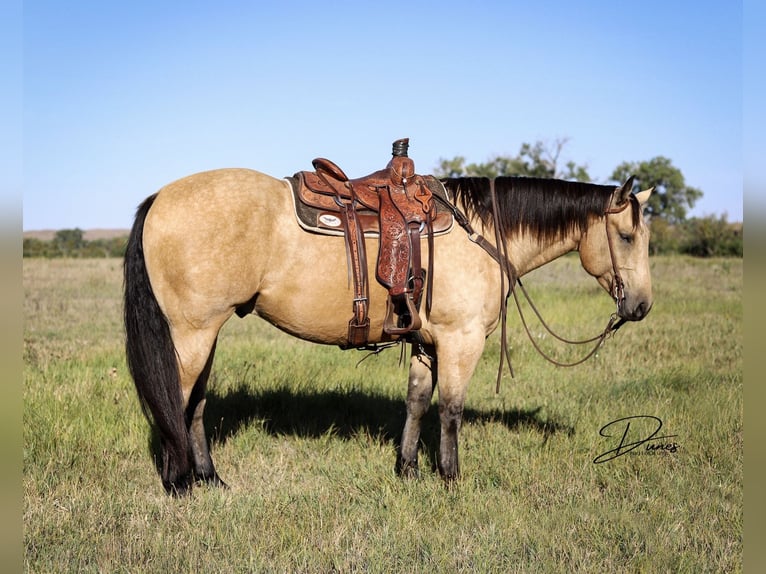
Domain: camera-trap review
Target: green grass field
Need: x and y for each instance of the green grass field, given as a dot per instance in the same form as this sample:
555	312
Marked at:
307	439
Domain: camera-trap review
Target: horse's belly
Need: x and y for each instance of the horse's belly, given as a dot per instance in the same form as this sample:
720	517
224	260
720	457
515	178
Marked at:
319	315
307	293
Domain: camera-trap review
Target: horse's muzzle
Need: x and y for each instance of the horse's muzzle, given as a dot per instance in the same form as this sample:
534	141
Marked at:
634	312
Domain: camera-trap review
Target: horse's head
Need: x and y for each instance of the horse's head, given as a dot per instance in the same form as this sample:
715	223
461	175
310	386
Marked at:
615	250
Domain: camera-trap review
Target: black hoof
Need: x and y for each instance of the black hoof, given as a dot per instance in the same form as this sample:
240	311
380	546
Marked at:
179	485
408	471
180	488
450	481
213	480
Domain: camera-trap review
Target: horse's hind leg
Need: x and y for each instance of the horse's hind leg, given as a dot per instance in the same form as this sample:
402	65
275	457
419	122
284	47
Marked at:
419	392
195	351
204	469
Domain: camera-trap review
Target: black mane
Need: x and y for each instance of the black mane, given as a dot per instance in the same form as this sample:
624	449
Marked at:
548	209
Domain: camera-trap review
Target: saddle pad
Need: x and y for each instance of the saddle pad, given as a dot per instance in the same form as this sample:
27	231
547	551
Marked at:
326	222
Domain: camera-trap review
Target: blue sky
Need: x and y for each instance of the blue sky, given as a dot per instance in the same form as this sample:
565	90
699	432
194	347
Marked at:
121	98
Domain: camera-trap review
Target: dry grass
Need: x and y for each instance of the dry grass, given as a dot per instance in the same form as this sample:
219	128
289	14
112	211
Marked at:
307	441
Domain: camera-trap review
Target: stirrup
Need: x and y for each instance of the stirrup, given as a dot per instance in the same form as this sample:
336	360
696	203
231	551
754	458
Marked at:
392	328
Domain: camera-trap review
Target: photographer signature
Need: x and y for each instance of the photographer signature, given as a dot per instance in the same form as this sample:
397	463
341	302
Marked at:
620	428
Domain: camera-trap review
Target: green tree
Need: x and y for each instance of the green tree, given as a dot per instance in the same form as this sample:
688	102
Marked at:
454	167
712	236
533	160
69	241
671	196
33	247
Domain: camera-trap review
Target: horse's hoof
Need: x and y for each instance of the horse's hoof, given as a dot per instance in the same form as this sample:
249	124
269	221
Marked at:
213	480
216	481
407	470
179	490
180	487
450	480
410	473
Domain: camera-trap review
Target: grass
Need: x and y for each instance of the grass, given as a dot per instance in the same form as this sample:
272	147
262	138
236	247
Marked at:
307	441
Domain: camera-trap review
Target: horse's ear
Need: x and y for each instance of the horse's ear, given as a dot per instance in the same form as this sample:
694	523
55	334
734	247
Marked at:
623	192
643	196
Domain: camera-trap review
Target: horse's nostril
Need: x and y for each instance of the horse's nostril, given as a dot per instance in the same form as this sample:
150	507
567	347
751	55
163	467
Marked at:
642	310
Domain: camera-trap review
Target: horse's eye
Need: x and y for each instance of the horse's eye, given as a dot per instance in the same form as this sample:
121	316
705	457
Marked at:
626	237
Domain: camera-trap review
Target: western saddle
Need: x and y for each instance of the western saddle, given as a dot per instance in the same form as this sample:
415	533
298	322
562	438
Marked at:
395	203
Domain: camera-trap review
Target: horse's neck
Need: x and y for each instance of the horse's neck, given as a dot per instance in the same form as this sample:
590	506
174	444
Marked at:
528	254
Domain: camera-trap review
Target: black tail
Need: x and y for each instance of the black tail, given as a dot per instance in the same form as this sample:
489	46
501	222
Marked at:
151	358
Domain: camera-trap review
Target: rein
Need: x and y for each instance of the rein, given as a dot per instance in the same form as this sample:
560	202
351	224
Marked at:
500	255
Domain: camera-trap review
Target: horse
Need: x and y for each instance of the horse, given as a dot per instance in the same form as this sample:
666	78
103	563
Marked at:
226	242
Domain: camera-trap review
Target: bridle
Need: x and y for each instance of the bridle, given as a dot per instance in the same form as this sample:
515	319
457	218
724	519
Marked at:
618	286
499	252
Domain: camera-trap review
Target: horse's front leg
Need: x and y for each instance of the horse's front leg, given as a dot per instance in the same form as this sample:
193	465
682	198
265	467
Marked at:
451	417
419	392
456	365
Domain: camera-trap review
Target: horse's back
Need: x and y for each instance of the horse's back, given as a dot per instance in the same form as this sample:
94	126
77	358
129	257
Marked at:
233	193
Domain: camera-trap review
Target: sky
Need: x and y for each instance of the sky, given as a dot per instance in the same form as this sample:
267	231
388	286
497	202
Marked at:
121	98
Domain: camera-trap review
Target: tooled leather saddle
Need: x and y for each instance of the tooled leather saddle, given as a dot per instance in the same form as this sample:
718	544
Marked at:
395	204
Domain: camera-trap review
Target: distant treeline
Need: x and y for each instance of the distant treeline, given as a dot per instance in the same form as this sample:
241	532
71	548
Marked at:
709	236
72	243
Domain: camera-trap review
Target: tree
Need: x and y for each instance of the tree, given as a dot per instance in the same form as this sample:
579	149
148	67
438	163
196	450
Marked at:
69	241
671	197
454	167
533	160
669	203
712	236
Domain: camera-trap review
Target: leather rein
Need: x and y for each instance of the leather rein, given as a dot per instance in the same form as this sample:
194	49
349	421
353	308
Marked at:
499	252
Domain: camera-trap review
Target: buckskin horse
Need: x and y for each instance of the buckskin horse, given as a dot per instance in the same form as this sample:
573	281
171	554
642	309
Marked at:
227	241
